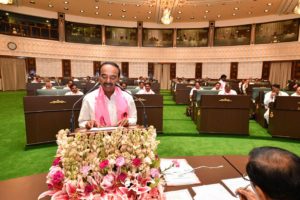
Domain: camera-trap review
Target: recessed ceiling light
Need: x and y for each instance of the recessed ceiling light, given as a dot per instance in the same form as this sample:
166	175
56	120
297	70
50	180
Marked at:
269	4
207	11
219	16
148	17
151	6
192	18
123	4
179	12
81	11
249	12
97	7
47	21
149	11
134	17
66	2
97	13
50	6
123	16
266	11
109	14
32	2
177	17
204	16
233	14
236	8
66	8
123	10
138	5
7	14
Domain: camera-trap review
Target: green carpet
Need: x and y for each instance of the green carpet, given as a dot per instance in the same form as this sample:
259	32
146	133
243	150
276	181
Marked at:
180	138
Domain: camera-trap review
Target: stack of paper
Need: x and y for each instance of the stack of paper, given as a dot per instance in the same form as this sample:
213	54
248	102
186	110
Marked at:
178	195
212	192
235	183
182	175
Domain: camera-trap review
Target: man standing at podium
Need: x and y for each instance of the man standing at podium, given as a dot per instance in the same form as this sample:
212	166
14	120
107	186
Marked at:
108	105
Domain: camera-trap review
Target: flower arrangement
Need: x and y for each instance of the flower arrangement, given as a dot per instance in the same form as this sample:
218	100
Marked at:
121	164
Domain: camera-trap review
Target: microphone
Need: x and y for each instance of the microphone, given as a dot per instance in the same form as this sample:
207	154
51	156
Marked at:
145	117
72	122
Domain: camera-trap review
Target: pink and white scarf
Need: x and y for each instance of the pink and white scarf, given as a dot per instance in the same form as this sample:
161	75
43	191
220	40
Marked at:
101	108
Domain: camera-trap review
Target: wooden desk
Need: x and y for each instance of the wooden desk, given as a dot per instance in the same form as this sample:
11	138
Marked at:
30	187
225	114
154	110
284	117
237	162
182	93
46	115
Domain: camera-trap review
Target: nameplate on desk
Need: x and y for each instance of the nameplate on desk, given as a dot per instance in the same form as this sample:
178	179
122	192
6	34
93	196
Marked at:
57	102
110	128
140	99
225	100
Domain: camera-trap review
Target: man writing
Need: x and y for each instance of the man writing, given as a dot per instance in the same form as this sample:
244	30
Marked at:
108	105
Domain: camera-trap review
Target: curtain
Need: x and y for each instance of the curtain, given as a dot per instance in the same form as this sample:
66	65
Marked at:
280	73
13	73
162	74
157	72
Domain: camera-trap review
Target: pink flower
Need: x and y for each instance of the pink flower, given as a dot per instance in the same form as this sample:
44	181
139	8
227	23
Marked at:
57	178
88	188
122	177
154	172
176	163
108	181
136	162
56	161
103	164
120	161
85	170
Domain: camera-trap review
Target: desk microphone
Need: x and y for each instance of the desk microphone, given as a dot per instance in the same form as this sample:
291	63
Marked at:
72	122
145	117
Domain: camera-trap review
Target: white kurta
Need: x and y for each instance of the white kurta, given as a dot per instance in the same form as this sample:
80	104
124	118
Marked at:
295	95
72	93
231	92
87	111
145	92
194	89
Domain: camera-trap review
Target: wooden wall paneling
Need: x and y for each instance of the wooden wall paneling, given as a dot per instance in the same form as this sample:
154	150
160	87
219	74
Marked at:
150	70
266	70
125	69
96	65
234	70
198	71
296	70
66	68
173	71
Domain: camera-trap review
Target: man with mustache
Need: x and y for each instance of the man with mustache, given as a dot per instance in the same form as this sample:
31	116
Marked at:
108	105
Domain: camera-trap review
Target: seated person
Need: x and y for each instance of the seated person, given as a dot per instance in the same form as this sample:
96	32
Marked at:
297	93
222	81
89	80
217	86
274	174
147	89
141	86
124	87
48	86
227	90
37	79
68	86
74	90
270	97
197	87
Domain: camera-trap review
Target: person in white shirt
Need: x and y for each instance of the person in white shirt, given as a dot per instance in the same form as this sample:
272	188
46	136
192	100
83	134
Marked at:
270	97
217	86
297	93
141	86
147	89
108	105
124	87
197	87
48	86
74	91
222	81
227	91
68	86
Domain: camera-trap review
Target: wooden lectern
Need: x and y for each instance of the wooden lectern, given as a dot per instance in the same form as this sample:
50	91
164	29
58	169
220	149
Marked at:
224	114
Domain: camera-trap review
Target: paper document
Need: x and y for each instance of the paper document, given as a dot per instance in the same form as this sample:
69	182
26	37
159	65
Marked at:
234	183
110	128
212	192
178	195
182	175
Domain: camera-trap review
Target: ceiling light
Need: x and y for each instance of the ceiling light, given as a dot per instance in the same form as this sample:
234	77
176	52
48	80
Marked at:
297	9
179	12
97	7
109	14
123	4
233	14
123	16
50	6
97	13
123	10
249	12
134	17
177	17
151	6
219	16
236	8
192	18
269	4
148	17
266	11
66	2
138	5
66	8
207	11
81	11
8	2
204	16
166	18
150	12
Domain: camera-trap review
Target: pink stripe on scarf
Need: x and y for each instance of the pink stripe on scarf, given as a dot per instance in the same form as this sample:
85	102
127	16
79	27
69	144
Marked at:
101	108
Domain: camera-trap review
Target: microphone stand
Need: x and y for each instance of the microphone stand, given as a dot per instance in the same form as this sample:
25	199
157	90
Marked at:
72	121
145	117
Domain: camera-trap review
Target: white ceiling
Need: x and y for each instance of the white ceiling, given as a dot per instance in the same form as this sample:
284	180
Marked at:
151	10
